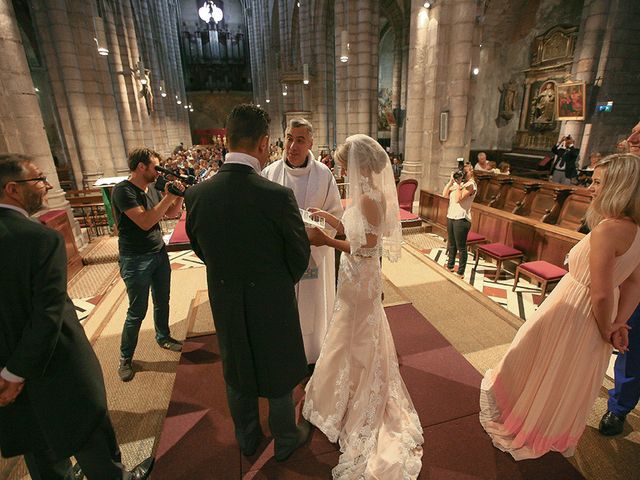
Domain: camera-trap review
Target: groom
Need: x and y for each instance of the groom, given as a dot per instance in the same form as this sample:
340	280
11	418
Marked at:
249	233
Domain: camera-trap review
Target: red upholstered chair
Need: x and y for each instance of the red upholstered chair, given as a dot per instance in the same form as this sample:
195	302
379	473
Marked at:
406	191
474	239
543	272
500	253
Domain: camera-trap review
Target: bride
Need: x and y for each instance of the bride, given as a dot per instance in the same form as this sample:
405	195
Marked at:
356	395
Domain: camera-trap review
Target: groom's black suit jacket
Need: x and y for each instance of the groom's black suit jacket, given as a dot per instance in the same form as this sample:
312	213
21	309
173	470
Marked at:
249	233
41	340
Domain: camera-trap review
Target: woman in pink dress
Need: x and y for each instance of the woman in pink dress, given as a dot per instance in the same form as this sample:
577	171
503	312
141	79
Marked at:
539	396
356	395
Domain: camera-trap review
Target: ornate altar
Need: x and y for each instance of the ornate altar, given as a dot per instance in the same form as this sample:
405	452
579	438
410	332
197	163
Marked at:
551	62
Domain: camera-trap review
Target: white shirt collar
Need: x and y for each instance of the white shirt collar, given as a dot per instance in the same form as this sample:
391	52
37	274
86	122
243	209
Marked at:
243	159
13	207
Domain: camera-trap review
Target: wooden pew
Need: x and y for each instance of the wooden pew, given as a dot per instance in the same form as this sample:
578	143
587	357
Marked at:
520	196
547	203
88	209
482	180
499	186
538	240
574	209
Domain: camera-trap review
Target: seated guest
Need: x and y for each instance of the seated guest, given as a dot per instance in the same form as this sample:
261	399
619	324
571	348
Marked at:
494	167
505	168
483	163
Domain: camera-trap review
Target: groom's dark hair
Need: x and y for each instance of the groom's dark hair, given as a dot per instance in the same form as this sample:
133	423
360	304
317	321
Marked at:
246	124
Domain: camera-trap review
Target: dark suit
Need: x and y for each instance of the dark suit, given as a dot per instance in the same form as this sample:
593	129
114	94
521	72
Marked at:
63	403
249	233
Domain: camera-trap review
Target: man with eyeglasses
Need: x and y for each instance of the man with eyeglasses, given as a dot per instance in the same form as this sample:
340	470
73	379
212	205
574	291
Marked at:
52	396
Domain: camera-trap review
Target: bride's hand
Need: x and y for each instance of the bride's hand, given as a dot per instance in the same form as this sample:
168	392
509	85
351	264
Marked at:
329	218
317	237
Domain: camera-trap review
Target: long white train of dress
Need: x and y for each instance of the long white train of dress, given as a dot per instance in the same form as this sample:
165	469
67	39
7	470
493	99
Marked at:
356	395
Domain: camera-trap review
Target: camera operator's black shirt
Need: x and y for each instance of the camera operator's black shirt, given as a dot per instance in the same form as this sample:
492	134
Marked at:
132	239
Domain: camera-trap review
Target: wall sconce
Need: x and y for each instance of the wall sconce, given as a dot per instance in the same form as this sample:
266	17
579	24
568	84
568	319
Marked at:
344	46
475	71
305	74
267	100
142	73
284	89
428	5
178	101
100	38
258	105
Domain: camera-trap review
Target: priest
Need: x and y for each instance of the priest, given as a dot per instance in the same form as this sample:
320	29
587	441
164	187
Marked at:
314	187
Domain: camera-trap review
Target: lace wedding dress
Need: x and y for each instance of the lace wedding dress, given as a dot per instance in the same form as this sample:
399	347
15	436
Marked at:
356	395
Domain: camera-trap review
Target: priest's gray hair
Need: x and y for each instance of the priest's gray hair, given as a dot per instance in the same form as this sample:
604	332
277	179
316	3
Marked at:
300	122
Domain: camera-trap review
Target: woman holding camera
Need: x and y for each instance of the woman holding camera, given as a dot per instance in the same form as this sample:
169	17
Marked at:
461	190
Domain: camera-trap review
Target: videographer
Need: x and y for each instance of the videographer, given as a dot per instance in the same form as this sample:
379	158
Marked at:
461	190
144	261
563	168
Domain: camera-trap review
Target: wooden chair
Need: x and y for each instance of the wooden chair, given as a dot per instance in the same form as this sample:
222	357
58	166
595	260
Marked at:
544	272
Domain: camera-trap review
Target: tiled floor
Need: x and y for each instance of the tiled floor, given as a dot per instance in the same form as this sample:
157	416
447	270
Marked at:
522	302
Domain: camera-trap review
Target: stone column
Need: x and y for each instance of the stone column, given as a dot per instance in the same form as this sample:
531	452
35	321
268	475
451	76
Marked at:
322	70
610	66
439	82
357	80
21	125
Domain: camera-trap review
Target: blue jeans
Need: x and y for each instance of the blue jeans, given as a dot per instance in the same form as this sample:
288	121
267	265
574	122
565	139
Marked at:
624	396
140	272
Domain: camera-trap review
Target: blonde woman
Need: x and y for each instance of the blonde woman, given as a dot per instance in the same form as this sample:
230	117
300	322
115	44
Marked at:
539	396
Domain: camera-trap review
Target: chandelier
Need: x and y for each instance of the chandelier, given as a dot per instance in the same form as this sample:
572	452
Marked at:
210	11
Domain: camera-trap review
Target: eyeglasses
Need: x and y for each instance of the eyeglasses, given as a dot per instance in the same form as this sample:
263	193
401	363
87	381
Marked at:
37	179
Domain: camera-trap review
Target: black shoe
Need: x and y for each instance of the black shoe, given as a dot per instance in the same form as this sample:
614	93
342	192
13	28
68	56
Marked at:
611	424
304	432
125	370
171	344
142	470
251	449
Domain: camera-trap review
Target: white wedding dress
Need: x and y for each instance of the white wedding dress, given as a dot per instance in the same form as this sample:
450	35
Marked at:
356	395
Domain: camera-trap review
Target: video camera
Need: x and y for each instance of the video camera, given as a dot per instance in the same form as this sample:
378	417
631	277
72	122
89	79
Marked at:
162	180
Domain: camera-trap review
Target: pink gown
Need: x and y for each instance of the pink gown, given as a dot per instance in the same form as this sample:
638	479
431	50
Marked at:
539	396
356	395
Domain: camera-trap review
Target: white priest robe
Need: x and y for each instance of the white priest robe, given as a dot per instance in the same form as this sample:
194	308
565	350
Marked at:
313	186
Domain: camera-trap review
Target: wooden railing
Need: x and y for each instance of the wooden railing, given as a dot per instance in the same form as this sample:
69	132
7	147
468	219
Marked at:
538	240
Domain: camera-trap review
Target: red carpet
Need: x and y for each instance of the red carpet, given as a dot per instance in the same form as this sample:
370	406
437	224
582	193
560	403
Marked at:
198	442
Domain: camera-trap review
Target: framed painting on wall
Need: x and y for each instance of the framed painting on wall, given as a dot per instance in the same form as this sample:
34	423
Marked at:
571	101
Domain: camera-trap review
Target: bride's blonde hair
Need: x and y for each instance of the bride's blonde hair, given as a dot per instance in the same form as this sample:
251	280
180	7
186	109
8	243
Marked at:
620	189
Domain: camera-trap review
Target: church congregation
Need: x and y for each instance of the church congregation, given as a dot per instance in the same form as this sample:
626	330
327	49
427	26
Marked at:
381	240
